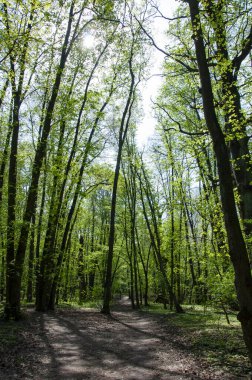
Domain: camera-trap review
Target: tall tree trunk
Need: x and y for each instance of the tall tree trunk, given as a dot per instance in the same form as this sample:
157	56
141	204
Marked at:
81	272
91	276
156	244
29	292
47	261
52	279
122	135
145	269
17	96
14	275
50	263
237	246
172	237
235	120
129	174
190	259
2	275
39	232
5	156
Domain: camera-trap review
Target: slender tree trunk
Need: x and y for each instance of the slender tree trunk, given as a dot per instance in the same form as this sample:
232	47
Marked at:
29	292
178	266
2	276
3	91
132	294
14	275
108	279
172	237
190	260
5	156
145	269
156	243
122	135
81	272
17	96
91	276
47	262
39	232
136	281
50	263
129	173
54	275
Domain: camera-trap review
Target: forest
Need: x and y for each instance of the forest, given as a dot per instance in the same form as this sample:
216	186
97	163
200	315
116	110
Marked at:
87	213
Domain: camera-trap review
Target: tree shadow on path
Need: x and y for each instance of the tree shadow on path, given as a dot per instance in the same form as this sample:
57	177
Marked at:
85	344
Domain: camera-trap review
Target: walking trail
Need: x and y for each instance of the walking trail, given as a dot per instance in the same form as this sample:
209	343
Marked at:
85	344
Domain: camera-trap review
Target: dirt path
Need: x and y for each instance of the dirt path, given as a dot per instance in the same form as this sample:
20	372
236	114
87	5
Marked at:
84	344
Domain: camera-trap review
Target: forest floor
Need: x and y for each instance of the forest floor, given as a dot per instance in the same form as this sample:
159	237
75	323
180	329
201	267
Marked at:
84	344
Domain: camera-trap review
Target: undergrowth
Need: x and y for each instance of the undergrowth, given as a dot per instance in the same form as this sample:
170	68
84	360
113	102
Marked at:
92	304
206	333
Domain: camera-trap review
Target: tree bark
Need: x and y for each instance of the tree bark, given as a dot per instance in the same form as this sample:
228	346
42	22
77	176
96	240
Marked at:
29	293
234	117
237	246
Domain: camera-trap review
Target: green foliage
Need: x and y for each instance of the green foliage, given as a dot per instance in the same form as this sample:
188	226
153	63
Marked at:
168	197
91	304
205	332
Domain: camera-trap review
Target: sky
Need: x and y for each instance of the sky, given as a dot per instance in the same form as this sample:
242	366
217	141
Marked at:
150	89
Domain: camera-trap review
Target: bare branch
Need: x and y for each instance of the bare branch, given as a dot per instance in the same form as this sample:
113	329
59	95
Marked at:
237	61
179	124
168	18
189	68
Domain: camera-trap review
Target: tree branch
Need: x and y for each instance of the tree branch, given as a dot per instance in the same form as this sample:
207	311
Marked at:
237	61
179	124
168	18
189	68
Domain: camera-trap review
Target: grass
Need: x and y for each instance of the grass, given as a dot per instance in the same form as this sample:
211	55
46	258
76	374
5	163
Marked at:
206	333
93	304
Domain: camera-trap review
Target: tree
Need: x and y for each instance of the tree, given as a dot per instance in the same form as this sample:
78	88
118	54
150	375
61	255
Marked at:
17	82
130	229
236	123
153	224
237	247
15	261
51	264
215	72
124	126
